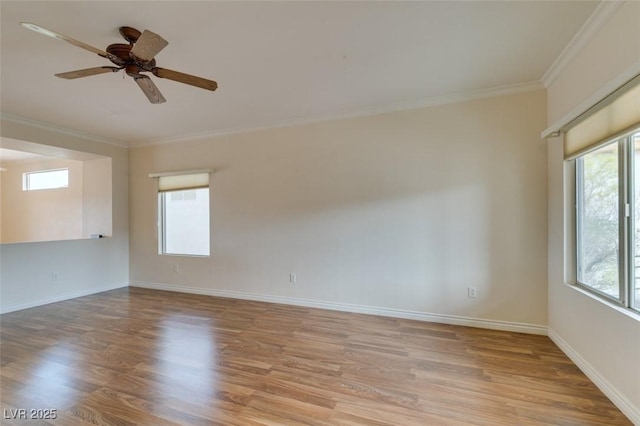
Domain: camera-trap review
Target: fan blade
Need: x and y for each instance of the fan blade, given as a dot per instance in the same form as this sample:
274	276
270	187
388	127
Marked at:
87	72
85	46
148	46
180	77
149	89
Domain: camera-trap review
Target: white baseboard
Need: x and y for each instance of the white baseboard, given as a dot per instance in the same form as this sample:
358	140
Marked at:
629	410
372	310
59	298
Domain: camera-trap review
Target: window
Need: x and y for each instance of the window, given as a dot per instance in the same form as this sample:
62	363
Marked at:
183	213
635	280
602	153
45	179
607	220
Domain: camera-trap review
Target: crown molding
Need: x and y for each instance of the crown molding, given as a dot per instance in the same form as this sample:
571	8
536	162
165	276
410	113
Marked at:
358	112
602	13
411	104
61	130
557	127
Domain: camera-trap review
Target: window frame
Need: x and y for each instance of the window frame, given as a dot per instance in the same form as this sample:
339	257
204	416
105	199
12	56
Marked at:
626	220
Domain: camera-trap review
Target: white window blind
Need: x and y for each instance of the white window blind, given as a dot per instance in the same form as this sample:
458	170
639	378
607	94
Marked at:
617	113
178	181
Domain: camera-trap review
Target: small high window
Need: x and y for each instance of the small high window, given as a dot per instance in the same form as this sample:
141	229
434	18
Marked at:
45	179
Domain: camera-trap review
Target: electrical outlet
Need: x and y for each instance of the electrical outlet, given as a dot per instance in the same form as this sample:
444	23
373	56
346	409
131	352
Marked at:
54	276
292	278
176	268
472	292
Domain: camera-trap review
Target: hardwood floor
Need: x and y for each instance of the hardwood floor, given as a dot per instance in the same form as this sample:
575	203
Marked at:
144	357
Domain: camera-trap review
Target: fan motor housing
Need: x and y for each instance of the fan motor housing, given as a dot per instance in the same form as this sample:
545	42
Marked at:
122	52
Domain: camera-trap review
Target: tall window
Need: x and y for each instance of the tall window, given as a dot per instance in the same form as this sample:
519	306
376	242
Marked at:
635	289
607	220
602	149
183	214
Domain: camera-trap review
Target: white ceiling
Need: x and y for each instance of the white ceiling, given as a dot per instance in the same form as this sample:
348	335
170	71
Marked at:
12	156
275	62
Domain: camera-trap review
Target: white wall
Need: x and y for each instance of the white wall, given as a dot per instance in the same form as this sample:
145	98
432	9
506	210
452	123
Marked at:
400	211
97	198
601	340
75	212
82	266
46	215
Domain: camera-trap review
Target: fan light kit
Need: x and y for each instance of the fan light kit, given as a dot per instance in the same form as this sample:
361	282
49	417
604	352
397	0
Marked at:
134	58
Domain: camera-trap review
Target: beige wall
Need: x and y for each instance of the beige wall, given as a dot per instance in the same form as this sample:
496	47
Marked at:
603	341
76	212
614	50
46	215
401	211
80	266
97	198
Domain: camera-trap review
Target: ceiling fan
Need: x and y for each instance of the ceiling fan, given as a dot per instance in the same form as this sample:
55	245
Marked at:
134	58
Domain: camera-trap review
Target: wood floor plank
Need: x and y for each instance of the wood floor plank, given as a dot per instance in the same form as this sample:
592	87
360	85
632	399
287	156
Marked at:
144	357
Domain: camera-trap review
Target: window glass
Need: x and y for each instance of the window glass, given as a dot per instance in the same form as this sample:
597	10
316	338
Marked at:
598	220
184	219
45	179
635	289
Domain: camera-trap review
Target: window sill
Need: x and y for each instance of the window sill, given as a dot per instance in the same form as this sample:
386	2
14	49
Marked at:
197	256
621	309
